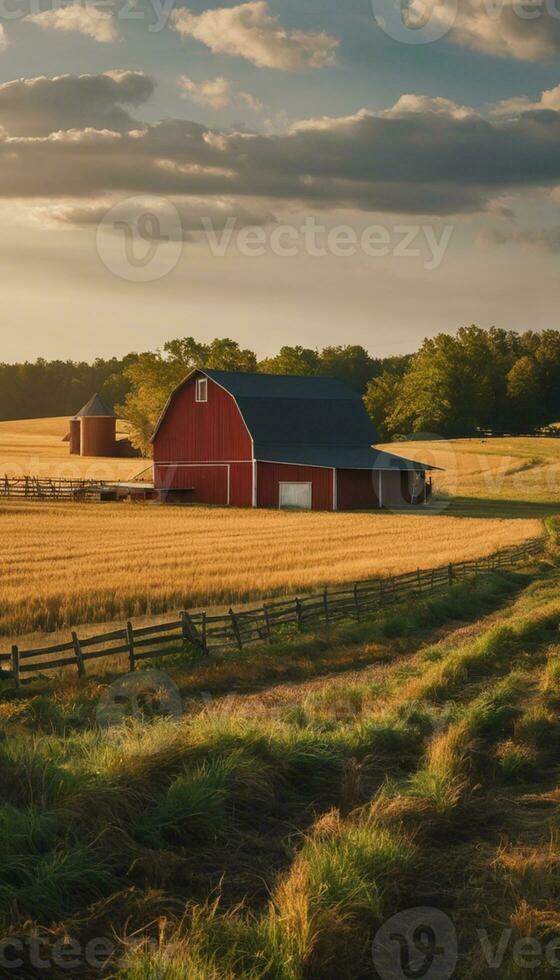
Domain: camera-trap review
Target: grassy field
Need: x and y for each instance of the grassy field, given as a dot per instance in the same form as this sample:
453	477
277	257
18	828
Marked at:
35	447
74	564
268	834
503	475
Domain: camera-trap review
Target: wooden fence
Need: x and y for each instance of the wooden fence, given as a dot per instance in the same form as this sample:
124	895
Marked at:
43	488
214	634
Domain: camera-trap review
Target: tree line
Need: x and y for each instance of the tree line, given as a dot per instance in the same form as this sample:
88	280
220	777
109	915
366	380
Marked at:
454	385
45	389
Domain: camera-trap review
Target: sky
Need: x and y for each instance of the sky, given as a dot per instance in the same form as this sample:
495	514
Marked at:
315	172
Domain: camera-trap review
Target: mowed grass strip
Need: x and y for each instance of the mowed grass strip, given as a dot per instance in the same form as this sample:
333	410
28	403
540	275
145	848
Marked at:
68	564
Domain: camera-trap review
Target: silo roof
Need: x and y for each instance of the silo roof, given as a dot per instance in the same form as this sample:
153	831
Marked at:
95	408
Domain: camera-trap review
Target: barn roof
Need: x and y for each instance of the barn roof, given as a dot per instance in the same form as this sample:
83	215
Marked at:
95	408
308	420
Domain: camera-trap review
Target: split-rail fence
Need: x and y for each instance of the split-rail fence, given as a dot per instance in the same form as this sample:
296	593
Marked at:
215	634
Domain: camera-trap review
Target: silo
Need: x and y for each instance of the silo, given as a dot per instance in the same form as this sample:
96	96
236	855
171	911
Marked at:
98	429
75	437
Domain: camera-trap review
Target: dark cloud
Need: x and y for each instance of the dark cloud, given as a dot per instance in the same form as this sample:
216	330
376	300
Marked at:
39	106
421	161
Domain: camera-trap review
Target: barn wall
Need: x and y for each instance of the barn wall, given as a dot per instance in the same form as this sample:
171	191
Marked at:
98	436
221	483
202	431
270	475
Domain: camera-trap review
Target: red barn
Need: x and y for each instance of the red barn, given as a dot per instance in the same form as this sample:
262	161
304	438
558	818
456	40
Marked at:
262	440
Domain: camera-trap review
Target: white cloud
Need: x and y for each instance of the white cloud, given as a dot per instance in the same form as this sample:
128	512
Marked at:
78	18
508	28
423	103
216	92
251	31
549	99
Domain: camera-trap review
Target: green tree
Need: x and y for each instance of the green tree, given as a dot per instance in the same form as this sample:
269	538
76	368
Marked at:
380	398
351	364
291	360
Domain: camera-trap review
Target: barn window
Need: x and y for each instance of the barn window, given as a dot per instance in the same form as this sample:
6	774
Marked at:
202	390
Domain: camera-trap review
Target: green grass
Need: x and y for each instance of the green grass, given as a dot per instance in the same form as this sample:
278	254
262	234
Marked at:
268	840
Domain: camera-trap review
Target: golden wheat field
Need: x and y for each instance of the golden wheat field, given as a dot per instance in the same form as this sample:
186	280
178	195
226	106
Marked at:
35	447
65	563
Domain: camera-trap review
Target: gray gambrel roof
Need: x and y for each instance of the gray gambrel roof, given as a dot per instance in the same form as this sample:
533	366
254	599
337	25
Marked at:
311	421
95	408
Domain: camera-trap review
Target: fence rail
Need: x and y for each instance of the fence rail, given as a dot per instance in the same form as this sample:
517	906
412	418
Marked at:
44	488
233	630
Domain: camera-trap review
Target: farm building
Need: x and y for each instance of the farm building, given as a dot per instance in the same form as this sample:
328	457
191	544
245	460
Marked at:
93	430
260	440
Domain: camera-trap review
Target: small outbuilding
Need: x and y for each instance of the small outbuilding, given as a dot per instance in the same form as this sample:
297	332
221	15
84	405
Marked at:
93	431
262	440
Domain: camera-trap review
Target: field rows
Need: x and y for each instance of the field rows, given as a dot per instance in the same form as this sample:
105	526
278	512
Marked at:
73	564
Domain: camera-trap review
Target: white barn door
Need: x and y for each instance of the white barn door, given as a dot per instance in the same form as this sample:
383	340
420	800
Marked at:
296	495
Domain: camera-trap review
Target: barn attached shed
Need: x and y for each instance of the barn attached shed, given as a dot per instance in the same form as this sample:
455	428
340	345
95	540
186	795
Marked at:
261	440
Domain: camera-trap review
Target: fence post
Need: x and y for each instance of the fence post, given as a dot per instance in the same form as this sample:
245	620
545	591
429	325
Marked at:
326	605
419	579
15	665
450	573
299	614
267	621
204	634
79	655
357	601
236	630
130	641
190	634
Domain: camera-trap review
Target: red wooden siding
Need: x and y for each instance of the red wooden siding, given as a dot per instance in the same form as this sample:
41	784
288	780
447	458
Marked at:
202	432
357	489
270	475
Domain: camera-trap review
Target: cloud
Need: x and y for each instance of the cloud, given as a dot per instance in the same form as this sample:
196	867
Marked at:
506	28
514	107
195	215
3	39
423	103
39	106
216	93
541	239
70	137
78	18
251	31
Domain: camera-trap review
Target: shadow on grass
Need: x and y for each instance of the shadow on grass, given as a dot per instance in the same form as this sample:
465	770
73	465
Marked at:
490	507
